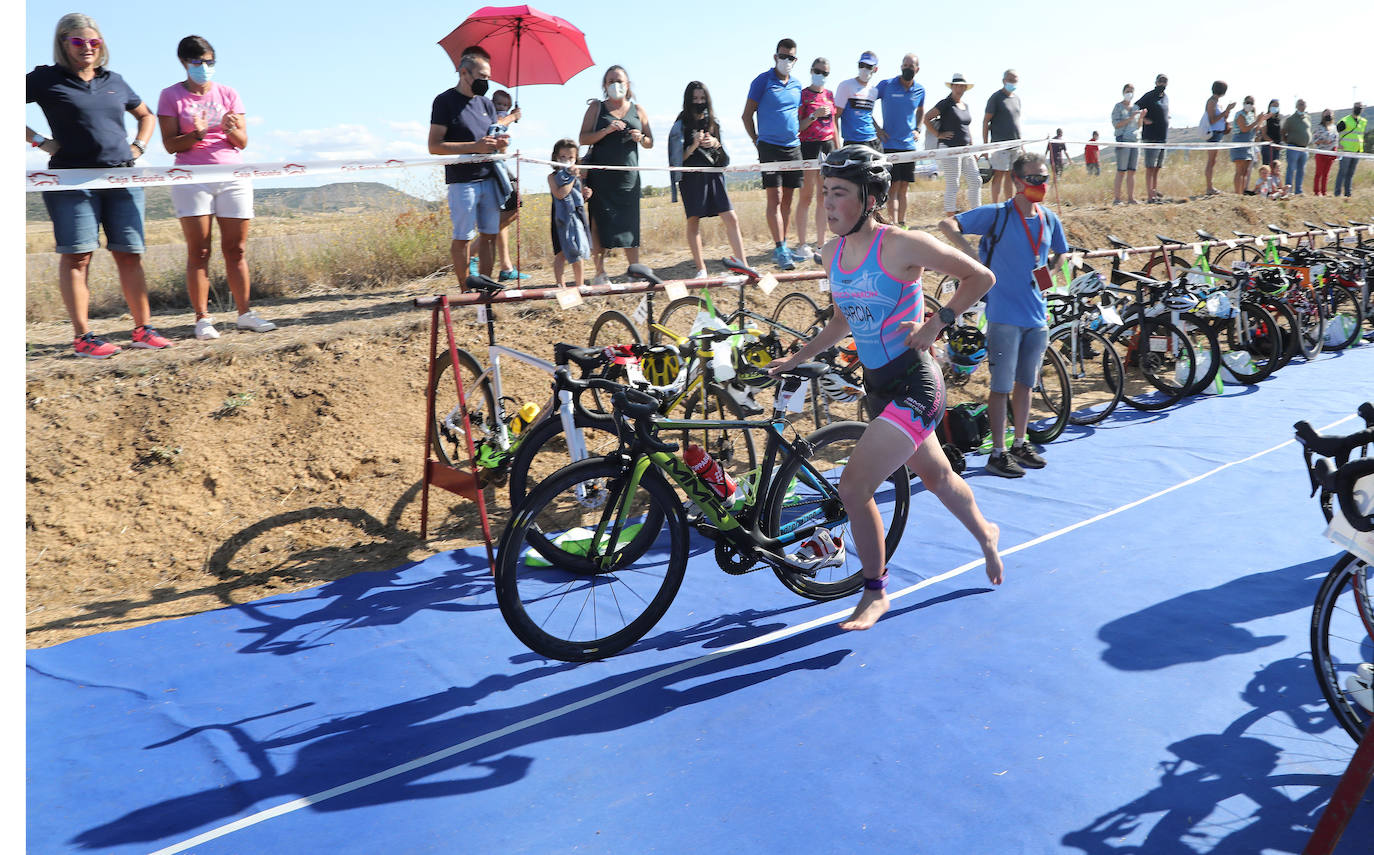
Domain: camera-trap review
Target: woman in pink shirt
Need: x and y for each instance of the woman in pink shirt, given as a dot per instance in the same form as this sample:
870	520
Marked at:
202	124
816	118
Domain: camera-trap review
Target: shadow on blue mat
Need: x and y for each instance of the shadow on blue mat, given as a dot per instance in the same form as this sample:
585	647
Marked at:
1202	625
1211	779
340	750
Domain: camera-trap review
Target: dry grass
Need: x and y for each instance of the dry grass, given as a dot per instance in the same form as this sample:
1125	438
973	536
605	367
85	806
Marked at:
288	255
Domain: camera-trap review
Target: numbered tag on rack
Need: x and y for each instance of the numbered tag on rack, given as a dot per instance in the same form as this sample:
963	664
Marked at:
794	401
1331	235
1076	260
1283	240
569	297
823	285
1259	242
675	290
1110	315
1196	248
1121	254
1229	244
949	286
641	313
767	283
481	314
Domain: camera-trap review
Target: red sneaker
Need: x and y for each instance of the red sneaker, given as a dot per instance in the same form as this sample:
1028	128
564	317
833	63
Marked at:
150	338
95	348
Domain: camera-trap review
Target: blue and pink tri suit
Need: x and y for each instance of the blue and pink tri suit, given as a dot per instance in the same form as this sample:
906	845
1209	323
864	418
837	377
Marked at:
904	387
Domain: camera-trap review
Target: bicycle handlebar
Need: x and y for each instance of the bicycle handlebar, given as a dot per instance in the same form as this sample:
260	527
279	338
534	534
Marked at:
1341	483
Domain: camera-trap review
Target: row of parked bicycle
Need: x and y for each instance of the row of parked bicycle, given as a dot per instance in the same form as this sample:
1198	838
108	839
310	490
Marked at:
682	397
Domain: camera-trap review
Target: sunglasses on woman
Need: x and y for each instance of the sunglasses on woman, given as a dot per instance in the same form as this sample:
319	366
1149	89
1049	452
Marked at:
81	43
209	62
1033	180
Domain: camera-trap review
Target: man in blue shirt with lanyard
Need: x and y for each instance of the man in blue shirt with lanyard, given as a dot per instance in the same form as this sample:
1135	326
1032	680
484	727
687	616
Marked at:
775	97
1023	240
904	103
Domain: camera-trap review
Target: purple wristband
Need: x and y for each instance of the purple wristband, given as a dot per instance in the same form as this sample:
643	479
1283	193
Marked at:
878	584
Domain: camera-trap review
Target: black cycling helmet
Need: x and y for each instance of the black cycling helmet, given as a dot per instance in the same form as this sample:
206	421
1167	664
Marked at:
862	166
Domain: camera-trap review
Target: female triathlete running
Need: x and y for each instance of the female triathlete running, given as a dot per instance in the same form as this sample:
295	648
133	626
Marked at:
875	275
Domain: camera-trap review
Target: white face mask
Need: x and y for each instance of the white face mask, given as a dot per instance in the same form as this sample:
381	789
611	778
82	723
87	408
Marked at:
784	66
864	74
616	91
818	80
501	114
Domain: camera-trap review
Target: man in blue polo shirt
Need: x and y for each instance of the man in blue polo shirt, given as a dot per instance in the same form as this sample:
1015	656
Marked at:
775	98
904	103
1022	240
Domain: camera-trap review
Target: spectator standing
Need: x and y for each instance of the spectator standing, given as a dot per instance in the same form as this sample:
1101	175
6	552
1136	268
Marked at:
1154	128
615	128
568	226
775	99
1091	162
1126	119
1324	138
84	103
507	114
458	123
1297	132
695	141
1001	122
903	101
1215	120
856	98
1022	241
1350	134
1247	122
948	121
1273	133
202	123
816	118
1058	152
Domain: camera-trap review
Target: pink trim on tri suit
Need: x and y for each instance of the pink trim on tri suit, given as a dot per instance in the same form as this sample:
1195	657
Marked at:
892	414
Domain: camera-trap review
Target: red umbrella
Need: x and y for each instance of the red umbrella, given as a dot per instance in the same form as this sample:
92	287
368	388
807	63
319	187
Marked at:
526	45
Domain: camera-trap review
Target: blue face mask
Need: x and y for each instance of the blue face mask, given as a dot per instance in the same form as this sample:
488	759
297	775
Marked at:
200	73
1010	87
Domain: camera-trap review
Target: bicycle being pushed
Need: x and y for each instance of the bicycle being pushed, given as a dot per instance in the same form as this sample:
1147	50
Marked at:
594	556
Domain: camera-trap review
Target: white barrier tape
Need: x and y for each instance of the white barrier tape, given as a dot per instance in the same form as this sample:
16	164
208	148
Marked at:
41	180
1337	153
1208	146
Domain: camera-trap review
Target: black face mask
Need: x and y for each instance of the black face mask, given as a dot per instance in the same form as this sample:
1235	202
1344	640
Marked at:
908	74
479	86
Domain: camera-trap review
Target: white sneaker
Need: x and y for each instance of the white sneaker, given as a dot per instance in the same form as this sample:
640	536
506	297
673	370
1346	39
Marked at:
701	274
250	321
601	279
205	328
1360	686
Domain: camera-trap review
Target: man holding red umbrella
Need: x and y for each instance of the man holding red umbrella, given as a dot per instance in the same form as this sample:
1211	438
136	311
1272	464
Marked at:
458	124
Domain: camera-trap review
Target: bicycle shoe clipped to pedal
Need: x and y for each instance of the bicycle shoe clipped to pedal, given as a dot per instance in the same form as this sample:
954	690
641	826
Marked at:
822	549
1360	686
745	405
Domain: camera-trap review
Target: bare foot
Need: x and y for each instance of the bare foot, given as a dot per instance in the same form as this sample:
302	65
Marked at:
872	605
991	560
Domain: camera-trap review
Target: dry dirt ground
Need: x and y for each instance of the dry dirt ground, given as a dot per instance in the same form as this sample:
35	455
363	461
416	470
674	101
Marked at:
162	484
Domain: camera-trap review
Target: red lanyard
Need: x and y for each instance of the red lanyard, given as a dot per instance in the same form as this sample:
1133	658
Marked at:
1034	242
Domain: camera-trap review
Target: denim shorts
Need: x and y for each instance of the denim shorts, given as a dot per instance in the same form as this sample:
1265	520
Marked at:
474	206
1127	159
78	215
1014	354
1154	157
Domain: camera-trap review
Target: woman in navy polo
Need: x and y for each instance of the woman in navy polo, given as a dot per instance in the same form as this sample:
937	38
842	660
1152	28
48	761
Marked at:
85	103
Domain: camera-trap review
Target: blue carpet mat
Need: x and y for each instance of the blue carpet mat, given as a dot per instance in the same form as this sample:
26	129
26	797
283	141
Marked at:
1140	684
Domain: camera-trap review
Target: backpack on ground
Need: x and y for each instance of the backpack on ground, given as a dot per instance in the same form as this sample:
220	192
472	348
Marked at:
965	426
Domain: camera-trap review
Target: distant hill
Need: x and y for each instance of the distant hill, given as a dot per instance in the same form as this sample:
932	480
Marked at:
280	201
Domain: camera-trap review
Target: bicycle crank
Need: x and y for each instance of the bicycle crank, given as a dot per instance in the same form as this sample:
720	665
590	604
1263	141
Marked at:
734	561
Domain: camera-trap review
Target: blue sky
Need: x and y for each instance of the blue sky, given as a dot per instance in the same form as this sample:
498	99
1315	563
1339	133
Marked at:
355	80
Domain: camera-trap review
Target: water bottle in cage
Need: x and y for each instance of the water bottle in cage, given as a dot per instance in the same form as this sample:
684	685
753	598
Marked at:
523	418
705	467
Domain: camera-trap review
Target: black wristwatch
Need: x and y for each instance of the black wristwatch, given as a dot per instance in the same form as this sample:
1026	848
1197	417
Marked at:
946	316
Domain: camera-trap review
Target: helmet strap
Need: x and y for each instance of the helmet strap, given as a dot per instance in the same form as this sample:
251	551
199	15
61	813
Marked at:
863	217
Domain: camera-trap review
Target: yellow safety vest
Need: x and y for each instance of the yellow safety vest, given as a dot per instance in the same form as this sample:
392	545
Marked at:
1352	139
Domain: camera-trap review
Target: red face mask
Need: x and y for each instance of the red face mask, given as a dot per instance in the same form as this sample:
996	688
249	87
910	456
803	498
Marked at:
1033	193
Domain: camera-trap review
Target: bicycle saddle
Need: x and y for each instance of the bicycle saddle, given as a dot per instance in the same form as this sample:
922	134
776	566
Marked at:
1241	234
1117	242
1207	236
1168	241
808	370
642	273
1312	225
1276	230
484	284
734	265
586	358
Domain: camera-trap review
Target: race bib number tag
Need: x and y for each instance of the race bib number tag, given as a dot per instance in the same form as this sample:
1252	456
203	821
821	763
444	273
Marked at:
767	283
569	297
794	401
1229	244
1159	343
675	290
949	286
641	313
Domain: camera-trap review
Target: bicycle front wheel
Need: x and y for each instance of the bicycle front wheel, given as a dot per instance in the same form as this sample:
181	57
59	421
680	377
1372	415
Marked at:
1251	333
1344	316
1051	400
1159	363
447	438
804	495
1343	643
1095	370
611	328
801	317
544	450
619	560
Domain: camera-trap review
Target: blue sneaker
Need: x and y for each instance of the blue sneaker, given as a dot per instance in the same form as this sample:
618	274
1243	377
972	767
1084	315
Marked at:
803	252
511	275
472	266
782	258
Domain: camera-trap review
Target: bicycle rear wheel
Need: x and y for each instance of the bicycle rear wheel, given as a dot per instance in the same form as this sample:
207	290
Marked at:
1051	400
1251	333
1344	316
1343	641
589	599
732	449
447	441
1311	322
1159	363
1095	370
544	450
611	328
801	496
